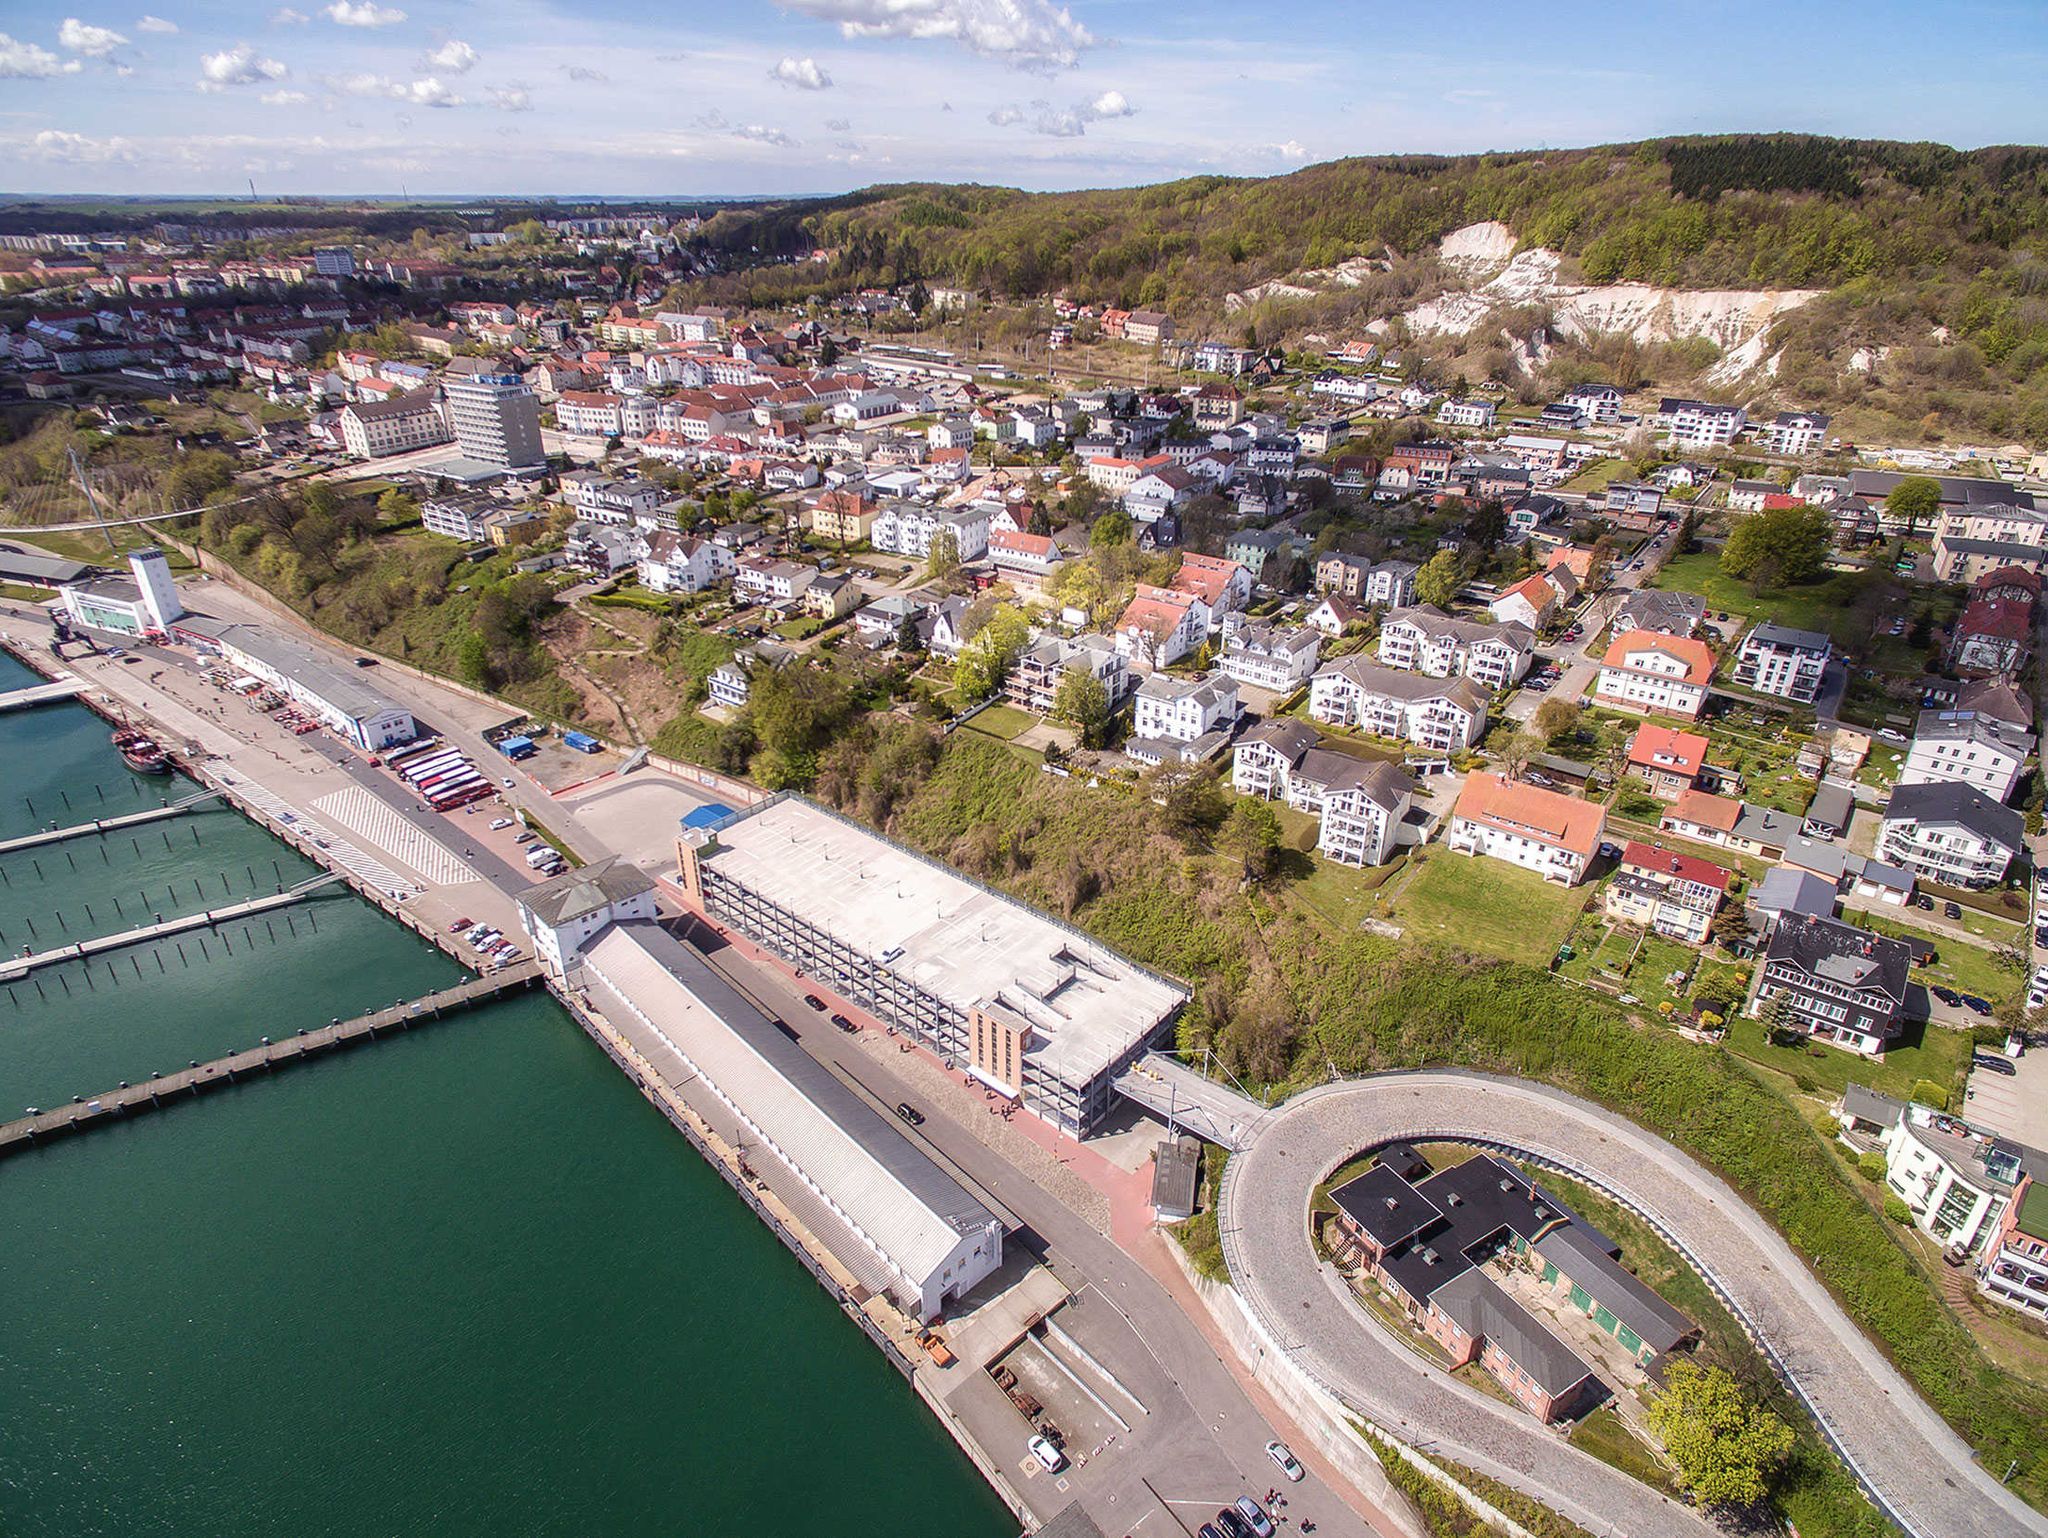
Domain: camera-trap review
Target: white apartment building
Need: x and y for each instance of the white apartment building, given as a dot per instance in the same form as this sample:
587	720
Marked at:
1796	432
1173	709
1692	424
588	413
1556	836
1645	670
1427	640
1444	717
682	563
905	528
373	429
765	581
496	420
1950	833
1969	748
1776	659
1363	804
1269	656
611	499
1467	413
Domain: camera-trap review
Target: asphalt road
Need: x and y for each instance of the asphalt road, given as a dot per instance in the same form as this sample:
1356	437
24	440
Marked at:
1926	1473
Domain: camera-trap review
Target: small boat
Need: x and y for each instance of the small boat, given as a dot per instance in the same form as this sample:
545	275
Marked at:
140	752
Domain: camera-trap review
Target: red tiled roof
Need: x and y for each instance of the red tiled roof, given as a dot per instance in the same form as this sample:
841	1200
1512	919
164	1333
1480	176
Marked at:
1698	659
1665	747
1563	821
1705	810
1648	857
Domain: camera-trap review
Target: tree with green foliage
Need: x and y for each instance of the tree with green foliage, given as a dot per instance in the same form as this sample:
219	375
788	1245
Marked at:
1558	718
1439	580
985	661
1781	547
1082	700
943	559
396	506
1917	498
1112	527
1727	1449
1516	749
1251	834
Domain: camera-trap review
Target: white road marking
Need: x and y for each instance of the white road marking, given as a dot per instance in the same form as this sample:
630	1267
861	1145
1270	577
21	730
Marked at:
360	811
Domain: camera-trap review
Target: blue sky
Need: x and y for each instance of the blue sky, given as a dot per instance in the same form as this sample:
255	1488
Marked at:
726	96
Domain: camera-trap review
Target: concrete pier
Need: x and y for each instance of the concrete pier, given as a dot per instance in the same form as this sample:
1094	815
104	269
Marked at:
63	688
107	824
152	1094
20	966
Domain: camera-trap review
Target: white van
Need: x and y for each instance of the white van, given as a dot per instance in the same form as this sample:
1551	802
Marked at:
541	854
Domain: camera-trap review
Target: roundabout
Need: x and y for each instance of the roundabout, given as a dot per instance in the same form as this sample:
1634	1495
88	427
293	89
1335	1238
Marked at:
1917	1470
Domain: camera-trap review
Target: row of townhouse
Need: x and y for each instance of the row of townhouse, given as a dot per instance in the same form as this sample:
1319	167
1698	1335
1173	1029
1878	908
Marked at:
1440	716
1424	639
1364	805
1388	583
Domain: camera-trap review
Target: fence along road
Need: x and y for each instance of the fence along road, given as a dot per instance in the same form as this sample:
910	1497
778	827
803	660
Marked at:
1918	1471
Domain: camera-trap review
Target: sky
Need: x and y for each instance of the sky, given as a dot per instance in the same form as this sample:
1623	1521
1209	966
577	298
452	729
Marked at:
724	97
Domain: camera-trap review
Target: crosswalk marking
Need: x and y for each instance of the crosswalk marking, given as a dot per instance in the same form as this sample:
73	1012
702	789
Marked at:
365	868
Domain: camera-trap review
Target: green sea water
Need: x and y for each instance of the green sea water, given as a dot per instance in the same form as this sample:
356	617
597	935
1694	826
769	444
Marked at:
464	1281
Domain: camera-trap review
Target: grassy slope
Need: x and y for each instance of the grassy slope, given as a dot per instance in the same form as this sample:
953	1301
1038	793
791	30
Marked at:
1356	1002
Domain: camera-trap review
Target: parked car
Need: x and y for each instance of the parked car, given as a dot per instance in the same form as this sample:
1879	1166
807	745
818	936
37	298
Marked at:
499	824
910	1113
1951	910
1976	1005
1049	1456
1255	1517
1947	995
1289	1464
1922	900
1995	1064
843	1023
1232	1523
815	1002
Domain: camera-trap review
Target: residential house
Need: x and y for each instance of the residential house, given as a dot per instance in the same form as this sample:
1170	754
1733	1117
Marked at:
1977	539
843	515
1968	748
731	682
1662	611
1955	1178
1737	825
603	549
1950	833
1363	581
682	563
1444	717
1025	560
1750	496
1598	403
1834	983
1664	674
907	528
1182	711
1216	405
1531	603
2015	1266
1554	835
760	580
1670	762
1632	499
1223	585
1034	682
1776	659
1160	626
1252	548
1690	424
1333	615
1150	327
1467	413
1795	432
1424	639
1272	657
1992	635
1364	804
1676	895
881	623
830	595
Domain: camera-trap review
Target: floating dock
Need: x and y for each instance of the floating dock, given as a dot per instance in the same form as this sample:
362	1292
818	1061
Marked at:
153	1094
13	970
107	824
66	687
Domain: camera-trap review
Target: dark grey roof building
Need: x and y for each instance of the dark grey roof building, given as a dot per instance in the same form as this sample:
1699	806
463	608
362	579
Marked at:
1838	984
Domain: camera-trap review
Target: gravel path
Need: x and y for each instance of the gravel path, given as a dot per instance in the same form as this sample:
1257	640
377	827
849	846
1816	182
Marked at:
1923	1471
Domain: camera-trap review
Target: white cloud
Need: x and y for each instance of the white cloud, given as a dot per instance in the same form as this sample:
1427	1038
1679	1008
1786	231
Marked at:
284	98
1293	149
838	125
363	13
763	135
79	149
802	73
429	92
583	72
82	37
287	17
1042	117
25	61
239	65
511	98
454	56
155	24
1030	34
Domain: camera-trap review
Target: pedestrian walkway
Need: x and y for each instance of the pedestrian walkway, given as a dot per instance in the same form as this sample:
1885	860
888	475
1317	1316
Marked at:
363	867
362	811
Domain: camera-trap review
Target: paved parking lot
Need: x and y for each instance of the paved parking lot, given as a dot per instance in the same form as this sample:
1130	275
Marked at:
2014	1105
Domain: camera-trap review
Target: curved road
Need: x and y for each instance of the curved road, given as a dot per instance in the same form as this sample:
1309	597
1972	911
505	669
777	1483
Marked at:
1921	1469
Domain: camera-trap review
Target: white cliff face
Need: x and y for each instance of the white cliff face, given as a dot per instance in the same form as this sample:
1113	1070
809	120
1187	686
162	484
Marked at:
1484	255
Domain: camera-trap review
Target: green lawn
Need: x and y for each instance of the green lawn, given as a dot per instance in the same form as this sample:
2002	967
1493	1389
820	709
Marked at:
1003	722
1604	1435
1963	966
1487	905
1923	1052
1822	605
